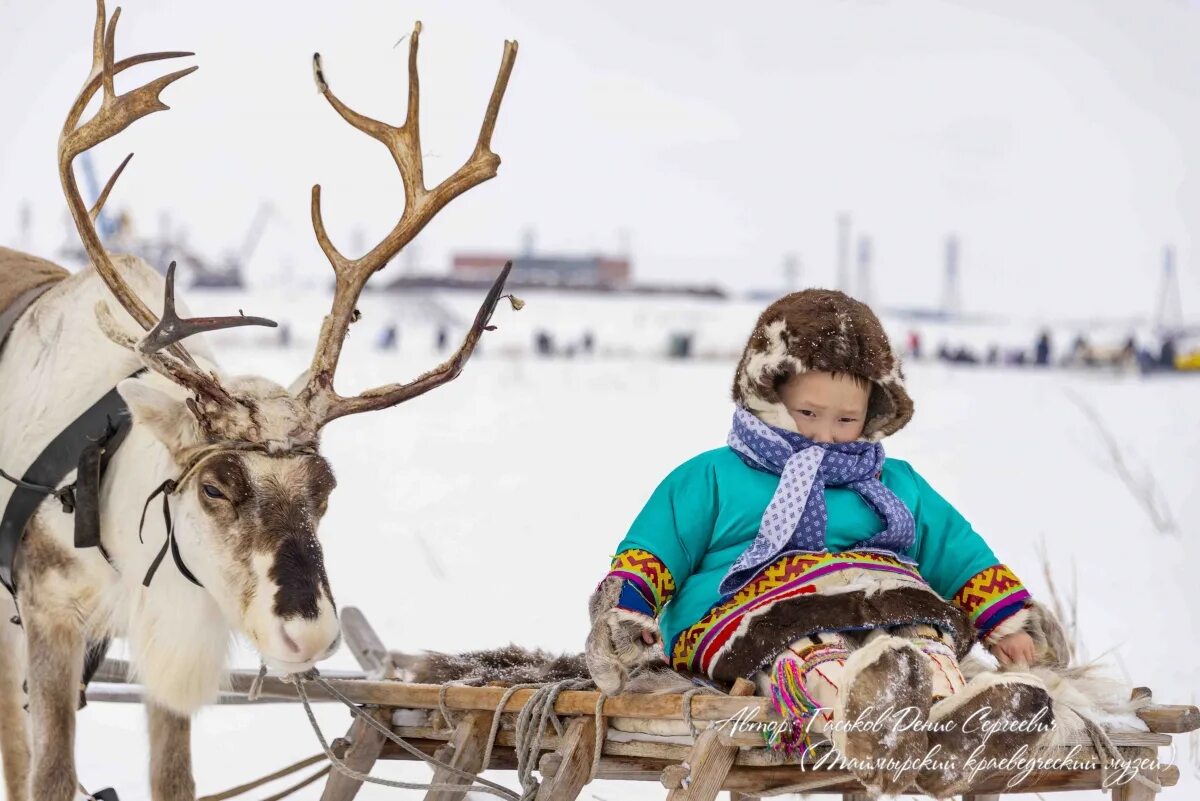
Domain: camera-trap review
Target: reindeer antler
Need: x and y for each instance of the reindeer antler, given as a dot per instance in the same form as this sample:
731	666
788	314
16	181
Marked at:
118	112
420	206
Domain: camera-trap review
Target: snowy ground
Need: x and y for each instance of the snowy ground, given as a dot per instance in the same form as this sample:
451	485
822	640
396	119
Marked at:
485	512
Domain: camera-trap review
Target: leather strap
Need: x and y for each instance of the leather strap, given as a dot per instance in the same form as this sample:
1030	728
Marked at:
107	421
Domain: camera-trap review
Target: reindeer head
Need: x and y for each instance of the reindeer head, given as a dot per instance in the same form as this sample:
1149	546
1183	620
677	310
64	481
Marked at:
251	486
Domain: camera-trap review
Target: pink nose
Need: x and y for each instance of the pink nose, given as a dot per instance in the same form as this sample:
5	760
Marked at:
306	640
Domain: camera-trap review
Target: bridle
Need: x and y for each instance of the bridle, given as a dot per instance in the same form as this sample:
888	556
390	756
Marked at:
172	486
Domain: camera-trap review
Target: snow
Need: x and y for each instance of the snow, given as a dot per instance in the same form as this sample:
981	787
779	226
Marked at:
486	511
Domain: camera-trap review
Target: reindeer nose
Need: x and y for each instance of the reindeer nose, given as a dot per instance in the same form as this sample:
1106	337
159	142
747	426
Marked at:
310	639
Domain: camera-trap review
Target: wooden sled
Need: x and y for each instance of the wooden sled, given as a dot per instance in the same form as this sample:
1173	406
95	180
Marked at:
717	760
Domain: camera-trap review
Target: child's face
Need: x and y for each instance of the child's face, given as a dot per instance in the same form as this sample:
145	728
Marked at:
826	408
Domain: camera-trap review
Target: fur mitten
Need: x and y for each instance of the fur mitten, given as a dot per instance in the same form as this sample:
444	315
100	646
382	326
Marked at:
1051	644
615	646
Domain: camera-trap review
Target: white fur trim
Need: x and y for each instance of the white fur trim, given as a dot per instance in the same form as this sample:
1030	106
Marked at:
770	363
1012	624
947	706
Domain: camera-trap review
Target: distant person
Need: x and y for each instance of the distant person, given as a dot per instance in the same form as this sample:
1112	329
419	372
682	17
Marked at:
283	336
680	346
388	338
964	356
1166	355
543	343
588	343
1128	353
914	344
442	338
1041	350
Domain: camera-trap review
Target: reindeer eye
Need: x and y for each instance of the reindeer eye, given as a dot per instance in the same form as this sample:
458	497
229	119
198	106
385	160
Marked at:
212	491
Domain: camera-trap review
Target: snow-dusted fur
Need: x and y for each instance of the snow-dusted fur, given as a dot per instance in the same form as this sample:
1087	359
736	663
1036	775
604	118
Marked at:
1076	691
825	331
1079	691
507	665
888	676
514	664
1015	703
56	364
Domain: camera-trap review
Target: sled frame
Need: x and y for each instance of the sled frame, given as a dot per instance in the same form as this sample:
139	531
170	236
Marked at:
715	762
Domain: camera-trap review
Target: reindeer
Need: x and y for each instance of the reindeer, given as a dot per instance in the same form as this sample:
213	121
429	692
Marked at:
238	458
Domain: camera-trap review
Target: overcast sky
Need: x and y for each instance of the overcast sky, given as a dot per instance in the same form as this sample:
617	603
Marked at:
1059	140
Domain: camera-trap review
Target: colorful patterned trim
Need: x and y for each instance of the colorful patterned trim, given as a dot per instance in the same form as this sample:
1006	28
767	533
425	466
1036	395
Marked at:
647	582
634	598
697	646
990	596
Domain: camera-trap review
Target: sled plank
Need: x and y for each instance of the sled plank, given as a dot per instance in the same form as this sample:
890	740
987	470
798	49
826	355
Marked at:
402	695
1132	790
1170	718
710	761
753	780
465	752
575	768
366	744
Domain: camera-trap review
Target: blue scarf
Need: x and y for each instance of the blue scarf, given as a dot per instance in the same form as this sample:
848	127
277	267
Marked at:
795	518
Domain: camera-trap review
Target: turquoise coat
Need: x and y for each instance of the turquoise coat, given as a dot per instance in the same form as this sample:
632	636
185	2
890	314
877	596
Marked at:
707	511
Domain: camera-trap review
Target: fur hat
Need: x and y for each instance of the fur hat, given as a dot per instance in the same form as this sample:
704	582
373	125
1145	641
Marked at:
827	331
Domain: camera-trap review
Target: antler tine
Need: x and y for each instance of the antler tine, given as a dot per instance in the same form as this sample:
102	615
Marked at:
384	397
420	206
116	113
94	211
161	362
172	328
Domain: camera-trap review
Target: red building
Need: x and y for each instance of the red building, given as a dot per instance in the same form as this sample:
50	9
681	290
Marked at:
597	270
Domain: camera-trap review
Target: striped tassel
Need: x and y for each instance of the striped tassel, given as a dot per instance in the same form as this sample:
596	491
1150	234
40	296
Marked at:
792	702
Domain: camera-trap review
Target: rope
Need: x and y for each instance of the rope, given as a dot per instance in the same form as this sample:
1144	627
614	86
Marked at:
64	494
444	708
601	732
531	729
279	774
495	727
475	783
257	685
300	785
1109	753
687	697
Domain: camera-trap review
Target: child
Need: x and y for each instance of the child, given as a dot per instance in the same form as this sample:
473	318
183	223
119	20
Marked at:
836	579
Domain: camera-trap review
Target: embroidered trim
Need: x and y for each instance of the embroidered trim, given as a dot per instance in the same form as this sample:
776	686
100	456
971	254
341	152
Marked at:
647	582
990	596
793	575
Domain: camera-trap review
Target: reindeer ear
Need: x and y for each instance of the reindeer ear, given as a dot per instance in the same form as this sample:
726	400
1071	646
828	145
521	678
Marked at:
300	383
167	417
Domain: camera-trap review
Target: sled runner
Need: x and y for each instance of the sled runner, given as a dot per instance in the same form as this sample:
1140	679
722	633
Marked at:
590	736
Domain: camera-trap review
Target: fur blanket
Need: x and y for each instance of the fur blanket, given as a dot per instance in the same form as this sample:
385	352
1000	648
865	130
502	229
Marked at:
512	664
22	279
1077	692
